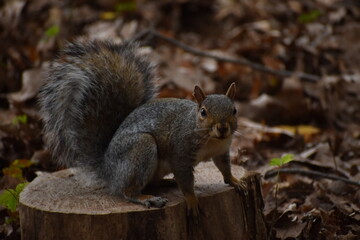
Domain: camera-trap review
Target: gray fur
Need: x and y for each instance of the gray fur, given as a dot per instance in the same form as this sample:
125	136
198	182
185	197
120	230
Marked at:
99	111
83	101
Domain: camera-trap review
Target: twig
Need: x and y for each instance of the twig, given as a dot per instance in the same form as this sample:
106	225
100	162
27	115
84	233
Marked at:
241	61
332	148
309	173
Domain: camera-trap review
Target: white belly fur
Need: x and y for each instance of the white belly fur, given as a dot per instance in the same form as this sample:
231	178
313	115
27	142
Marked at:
214	147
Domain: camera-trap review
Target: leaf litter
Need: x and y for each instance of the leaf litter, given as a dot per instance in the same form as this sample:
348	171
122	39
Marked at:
315	120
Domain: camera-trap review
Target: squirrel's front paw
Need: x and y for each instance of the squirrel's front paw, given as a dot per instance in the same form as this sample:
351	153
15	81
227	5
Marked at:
239	184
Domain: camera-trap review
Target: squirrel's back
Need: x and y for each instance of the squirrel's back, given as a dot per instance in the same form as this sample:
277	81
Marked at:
91	88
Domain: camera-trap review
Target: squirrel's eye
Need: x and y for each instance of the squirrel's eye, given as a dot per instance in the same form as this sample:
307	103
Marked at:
234	111
203	112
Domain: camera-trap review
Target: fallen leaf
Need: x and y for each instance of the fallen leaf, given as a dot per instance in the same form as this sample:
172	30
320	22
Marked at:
32	80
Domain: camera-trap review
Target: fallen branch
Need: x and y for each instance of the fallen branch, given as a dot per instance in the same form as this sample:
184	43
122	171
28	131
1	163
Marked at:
309	173
242	61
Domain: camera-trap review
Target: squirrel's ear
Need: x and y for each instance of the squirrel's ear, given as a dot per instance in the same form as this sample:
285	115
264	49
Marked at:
231	91
198	94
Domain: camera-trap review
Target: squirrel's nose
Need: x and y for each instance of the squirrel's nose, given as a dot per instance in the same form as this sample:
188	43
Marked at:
222	129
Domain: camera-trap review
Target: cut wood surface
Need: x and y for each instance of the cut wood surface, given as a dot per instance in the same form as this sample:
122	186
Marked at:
69	204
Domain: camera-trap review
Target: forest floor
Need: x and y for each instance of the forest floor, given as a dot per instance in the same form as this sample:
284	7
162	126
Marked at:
295	64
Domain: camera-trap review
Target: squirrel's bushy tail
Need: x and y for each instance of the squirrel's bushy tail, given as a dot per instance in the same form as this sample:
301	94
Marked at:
90	90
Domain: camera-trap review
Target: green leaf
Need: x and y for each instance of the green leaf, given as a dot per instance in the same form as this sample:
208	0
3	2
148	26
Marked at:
22	163
287	158
52	31
15	169
108	15
309	17
125	6
20	187
20	119
275	162
281	161
9	198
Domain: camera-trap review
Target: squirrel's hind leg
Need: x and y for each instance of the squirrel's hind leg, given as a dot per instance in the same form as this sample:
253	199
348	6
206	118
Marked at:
135	166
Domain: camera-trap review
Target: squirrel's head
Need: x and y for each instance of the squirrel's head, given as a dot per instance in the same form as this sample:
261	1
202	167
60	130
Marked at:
216	113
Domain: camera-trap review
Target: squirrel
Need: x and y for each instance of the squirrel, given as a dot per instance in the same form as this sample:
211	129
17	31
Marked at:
99	109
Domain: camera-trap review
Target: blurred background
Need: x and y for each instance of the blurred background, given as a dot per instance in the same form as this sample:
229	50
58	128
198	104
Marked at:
295	64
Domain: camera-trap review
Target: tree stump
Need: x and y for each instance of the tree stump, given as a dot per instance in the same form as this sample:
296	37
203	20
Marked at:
66	205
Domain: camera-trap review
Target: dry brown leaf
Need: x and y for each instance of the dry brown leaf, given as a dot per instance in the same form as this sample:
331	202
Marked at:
32	80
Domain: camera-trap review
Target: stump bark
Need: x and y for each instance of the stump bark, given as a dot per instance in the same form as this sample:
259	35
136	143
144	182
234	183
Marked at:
66	205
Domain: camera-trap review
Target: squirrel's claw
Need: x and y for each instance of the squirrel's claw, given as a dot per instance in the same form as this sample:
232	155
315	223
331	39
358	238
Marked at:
239	184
